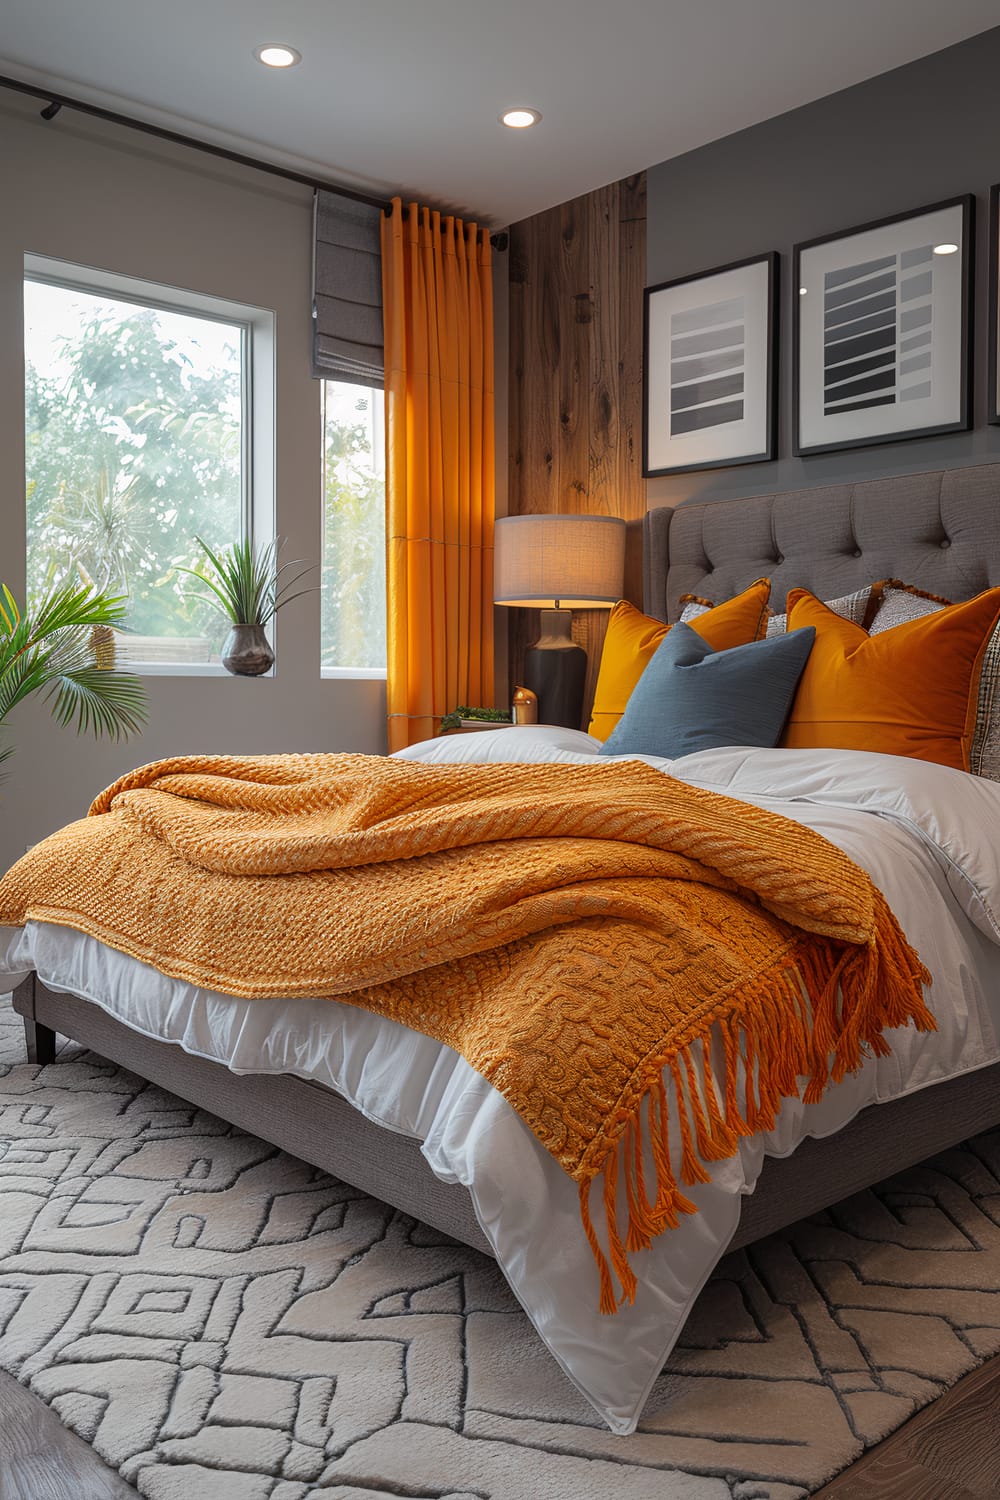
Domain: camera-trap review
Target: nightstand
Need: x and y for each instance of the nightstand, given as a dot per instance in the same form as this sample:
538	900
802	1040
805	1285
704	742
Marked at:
476	726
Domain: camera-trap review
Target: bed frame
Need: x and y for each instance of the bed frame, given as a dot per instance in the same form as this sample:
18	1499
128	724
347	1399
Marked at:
318	1126
940	531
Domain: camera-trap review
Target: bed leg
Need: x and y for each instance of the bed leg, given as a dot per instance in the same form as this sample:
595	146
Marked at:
40	1041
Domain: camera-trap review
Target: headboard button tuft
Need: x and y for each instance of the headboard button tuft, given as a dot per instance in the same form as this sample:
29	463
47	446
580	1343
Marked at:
946	543
857	552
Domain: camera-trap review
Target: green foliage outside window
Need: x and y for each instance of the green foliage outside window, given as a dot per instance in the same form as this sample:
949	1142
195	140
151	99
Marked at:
353	590
133	436
133	445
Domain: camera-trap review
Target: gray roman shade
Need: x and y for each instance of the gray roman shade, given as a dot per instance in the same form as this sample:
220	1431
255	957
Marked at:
347	291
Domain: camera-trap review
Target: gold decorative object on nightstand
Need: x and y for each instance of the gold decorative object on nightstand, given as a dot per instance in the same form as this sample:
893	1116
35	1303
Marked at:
524	709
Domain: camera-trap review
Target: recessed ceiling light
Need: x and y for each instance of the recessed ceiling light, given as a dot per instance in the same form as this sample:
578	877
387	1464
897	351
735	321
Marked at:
945	249
520	119
277	55
803	290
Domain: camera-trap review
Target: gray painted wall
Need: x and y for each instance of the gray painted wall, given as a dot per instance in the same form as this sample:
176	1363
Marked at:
100	196
922	133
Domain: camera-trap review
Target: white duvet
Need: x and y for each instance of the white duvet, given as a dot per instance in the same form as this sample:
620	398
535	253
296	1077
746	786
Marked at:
926	834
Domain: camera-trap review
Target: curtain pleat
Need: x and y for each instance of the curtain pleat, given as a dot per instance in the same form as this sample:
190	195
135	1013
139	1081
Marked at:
438	312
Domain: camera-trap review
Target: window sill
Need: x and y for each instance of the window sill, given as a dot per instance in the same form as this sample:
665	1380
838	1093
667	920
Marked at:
171	668
216	669
371	674
179	669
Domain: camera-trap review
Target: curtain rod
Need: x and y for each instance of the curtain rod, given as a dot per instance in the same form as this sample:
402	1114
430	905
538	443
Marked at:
499	239
57	101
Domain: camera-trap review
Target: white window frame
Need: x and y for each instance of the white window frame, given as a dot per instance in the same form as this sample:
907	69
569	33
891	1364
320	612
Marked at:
257	326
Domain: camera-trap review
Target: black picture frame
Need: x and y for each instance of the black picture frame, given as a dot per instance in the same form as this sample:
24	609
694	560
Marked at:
993	298
766	390
874	263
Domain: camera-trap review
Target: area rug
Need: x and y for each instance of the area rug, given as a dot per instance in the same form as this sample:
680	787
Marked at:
222	1322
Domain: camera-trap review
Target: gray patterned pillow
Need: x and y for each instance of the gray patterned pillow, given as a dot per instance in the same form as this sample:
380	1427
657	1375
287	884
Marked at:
901	604
693	608
850	607
984	754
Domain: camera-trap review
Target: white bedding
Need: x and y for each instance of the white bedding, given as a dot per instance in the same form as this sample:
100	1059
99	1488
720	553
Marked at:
926	834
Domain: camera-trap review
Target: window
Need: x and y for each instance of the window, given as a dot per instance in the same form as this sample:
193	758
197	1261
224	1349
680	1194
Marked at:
353	594
140	435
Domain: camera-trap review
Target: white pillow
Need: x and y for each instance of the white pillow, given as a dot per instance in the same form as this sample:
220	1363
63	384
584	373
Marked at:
518	742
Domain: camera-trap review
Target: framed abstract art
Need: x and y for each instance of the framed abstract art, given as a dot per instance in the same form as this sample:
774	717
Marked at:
710	367
881	330
993	395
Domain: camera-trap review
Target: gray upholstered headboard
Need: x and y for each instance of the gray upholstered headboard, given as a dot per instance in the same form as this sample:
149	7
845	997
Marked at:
940	531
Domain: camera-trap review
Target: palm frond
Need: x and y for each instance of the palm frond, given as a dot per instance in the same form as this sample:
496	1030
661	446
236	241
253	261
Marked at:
116	708
53	649
9	610
72	605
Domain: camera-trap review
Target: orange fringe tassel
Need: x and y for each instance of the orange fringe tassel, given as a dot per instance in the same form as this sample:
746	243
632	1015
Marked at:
816	1018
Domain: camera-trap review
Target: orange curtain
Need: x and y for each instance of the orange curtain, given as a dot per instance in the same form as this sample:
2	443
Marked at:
438	312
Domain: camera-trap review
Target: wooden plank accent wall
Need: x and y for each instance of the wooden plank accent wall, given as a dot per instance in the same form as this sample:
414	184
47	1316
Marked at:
576	279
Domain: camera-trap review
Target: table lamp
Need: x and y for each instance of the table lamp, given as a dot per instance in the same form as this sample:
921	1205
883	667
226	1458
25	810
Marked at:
558	563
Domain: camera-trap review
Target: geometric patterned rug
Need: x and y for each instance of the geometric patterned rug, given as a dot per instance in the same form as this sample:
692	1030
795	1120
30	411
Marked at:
222	1322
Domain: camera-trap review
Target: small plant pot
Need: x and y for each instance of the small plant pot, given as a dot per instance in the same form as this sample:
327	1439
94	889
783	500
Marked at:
246	652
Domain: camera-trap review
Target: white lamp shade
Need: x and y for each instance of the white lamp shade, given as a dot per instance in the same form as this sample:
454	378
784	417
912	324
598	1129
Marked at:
553	562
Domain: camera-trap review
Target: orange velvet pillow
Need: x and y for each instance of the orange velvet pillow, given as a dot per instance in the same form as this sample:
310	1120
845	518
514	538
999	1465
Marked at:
632	639
910	691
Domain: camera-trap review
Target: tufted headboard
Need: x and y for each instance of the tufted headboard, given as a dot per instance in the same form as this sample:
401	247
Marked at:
940	531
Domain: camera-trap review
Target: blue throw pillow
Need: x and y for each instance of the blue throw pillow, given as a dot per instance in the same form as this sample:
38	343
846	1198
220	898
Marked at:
693	698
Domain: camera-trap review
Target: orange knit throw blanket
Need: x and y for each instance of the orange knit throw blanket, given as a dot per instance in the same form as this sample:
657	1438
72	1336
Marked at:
578	933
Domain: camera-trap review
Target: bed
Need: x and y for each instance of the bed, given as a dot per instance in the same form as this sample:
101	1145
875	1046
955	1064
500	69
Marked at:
419	1131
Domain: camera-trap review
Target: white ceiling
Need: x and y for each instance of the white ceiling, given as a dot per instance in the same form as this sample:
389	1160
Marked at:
404	94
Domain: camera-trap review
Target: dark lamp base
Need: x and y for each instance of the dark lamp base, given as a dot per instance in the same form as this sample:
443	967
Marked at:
557	674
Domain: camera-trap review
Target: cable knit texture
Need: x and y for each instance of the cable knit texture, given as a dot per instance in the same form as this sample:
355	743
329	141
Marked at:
580	934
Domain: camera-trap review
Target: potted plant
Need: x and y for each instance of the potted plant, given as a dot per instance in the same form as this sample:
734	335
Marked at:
64	647
463	717
247	588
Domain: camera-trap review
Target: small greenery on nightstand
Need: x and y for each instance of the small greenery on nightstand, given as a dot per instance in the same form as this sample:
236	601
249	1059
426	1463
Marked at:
455	719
